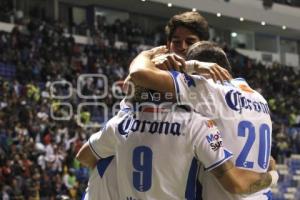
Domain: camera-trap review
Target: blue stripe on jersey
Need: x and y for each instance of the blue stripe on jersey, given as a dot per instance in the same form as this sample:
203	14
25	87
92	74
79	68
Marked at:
90	144
91	147
199	190
227	156
191	186
83	196
174	75
102	165
269	195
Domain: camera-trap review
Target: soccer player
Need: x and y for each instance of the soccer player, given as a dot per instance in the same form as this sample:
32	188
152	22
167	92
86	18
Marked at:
240	112
185	29
182	31
157	151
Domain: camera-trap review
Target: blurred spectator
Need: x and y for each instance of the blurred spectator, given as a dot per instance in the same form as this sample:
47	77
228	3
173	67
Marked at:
70	182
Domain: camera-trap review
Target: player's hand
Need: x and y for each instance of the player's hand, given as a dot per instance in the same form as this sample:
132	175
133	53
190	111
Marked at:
156	51
272	164
169	61
211	70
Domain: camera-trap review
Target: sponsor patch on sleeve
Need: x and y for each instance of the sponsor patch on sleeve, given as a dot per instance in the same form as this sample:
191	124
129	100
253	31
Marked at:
214	140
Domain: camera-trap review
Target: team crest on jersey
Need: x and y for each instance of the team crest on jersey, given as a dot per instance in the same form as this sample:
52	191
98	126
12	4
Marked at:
214	140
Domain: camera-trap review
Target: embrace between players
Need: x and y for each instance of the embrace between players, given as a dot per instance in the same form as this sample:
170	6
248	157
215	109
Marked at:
212	130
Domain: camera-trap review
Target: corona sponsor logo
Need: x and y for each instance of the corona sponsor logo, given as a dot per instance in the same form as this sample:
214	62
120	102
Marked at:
130	124
237	102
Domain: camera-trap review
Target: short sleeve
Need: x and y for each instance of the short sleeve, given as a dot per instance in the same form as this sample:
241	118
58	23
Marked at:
103	142
196	91
207	143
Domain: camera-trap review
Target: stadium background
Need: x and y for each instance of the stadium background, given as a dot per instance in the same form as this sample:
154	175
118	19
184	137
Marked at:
62	63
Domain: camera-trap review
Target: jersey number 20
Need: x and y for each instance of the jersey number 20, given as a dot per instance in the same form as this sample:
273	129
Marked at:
142	163
264	144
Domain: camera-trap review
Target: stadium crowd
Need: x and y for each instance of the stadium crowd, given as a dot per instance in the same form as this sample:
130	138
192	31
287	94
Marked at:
37	152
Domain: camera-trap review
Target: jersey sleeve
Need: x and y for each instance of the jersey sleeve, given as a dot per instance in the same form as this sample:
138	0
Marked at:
103	142
196	91
207	143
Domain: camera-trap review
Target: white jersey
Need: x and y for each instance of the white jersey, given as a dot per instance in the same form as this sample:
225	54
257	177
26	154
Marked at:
243	117
157	153
103	181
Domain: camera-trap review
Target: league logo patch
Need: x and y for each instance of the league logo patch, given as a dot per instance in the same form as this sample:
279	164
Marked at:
246	88
210	123
214	140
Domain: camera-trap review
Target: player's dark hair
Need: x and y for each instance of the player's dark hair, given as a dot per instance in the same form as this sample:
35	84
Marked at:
206	51
193	21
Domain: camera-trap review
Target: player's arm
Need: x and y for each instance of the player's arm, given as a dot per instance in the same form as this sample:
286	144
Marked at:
144	73
217	160
100	145
239	181
144	70
86	157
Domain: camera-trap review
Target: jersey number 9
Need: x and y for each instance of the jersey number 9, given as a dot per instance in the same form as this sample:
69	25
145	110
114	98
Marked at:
142	163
